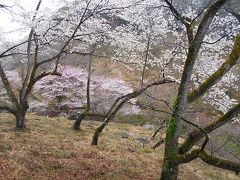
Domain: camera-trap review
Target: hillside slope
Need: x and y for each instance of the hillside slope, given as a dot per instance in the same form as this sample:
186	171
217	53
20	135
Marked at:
51	150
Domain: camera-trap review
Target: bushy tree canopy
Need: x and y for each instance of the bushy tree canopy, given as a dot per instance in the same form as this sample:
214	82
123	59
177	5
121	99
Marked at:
69	91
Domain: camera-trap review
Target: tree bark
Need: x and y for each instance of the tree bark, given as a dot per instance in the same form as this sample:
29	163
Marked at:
20	117
8	88
89	78
169	171
97	133
145	61
170	168
221	163
20	121
78	122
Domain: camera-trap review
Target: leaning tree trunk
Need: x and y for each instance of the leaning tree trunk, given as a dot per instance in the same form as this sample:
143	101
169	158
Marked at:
77	123
97	134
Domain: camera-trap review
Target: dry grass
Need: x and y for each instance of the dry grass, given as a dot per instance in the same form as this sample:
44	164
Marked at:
51	150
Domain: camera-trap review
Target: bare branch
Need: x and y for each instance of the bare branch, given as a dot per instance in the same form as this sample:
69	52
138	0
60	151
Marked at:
160	100
221	163
146	58
82	20
185	20
158	144
201	12
203	131
3	54
118	105
214	42
220	147
44	74
30	61
6	108
186	158
236	15
3	6
196	136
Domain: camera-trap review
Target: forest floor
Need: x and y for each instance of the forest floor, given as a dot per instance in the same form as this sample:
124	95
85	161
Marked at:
51	150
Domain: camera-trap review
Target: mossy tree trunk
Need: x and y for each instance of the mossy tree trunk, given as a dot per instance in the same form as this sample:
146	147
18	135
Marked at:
97	134
195	136
170	167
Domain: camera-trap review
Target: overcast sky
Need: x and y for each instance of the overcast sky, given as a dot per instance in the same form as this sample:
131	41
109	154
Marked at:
8	25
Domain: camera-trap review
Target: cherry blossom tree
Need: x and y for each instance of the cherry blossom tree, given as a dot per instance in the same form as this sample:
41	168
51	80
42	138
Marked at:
199	48
211	75
192	35
69	91
48	40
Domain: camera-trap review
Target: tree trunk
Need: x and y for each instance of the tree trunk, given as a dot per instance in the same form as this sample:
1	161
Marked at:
20	118
145	61
97	134
89	78
169	171
21	113
78	122
76	125
169	168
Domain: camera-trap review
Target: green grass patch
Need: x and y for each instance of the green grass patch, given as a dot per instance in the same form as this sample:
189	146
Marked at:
147	150
134	119
231	145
